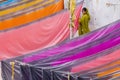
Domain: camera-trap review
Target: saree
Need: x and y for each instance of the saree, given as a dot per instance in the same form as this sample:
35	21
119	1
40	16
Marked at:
84	24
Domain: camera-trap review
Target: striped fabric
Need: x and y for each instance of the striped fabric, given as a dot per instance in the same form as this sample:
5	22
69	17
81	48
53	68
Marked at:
92	56
36	33
25	11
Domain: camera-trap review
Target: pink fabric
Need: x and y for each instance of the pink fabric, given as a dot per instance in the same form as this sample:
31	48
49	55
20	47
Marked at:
76	22
97	62
37	35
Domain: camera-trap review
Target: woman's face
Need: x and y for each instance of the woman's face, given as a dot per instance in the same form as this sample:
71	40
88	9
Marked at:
84	12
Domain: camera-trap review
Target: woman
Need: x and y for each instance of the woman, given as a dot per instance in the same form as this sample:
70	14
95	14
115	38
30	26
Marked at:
84	22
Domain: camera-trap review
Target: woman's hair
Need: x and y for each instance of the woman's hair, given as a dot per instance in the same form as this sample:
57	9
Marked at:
87	12
85	9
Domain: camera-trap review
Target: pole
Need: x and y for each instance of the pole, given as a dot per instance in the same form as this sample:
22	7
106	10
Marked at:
70	26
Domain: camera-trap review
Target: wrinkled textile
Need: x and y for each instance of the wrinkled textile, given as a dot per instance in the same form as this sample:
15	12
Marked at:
28	12
37	35
12	3
45	71
40	64
77	43
8	2
101	60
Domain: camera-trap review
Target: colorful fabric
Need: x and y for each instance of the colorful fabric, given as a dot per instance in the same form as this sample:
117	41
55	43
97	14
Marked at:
30	11
72	56
36	35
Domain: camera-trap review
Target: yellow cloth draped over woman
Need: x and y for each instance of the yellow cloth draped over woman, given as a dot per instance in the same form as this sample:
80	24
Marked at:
84	23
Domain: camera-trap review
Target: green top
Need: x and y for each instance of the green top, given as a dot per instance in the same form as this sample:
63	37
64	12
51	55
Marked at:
84	23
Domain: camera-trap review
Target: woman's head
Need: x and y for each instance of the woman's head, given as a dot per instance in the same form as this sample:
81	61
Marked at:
84	10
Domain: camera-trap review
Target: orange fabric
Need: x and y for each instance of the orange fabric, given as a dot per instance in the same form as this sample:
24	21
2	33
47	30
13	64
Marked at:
116	75
107	72
110	65
27	18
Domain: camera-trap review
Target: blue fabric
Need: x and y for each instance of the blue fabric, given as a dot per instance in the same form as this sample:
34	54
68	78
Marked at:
8	2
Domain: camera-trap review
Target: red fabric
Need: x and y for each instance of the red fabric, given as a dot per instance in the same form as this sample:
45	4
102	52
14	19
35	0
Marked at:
37	35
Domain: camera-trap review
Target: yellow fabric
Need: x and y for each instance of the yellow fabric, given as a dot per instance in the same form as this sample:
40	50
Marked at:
15	9
72	6
104	73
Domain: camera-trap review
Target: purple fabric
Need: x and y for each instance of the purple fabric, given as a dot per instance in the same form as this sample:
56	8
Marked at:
73	44
105	45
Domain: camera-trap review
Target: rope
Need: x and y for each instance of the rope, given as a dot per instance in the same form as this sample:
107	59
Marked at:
68	76
13	70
